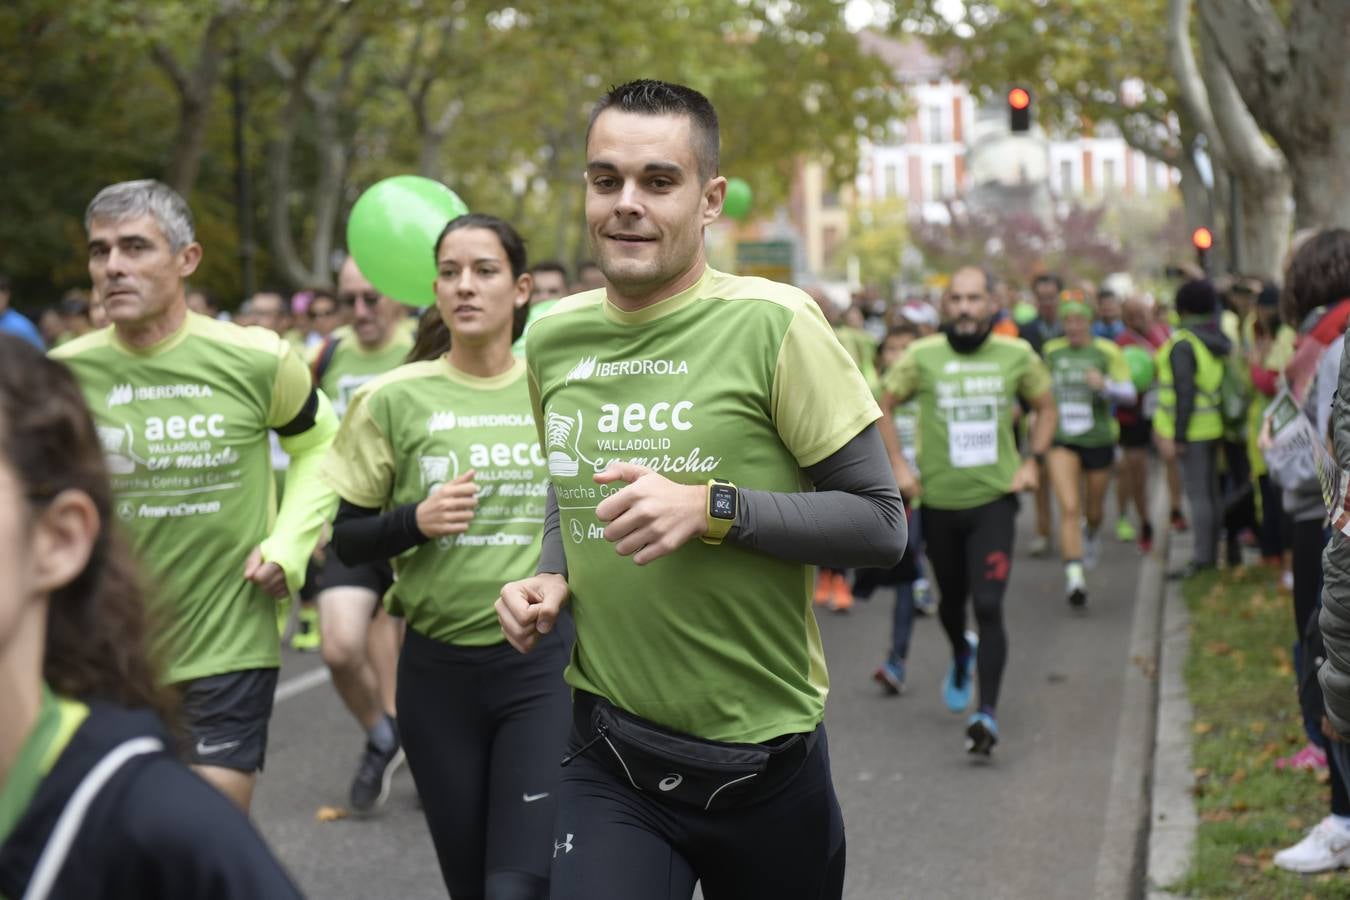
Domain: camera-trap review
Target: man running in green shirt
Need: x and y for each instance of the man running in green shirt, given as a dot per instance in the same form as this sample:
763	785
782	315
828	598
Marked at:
682	413
966	381
359	640
183	405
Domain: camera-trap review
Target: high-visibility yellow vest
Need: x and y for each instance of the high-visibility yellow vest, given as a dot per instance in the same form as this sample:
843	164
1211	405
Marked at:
1206	422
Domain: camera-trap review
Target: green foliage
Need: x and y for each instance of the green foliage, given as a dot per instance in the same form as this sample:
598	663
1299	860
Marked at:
1074	55
87	98
878	234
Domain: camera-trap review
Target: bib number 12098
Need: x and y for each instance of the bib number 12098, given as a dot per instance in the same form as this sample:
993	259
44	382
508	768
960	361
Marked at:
972	434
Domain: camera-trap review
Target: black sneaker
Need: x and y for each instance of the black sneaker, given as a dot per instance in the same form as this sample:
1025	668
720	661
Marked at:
370	788
981	734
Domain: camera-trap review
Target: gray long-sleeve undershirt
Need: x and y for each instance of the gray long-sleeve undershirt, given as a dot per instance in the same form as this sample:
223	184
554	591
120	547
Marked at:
854	517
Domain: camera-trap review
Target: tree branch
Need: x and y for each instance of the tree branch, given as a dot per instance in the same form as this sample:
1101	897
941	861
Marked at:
1190	85
1254	47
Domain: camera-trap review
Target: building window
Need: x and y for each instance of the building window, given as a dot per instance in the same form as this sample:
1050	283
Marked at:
1109	176
939	189
935	133
1065	177
892	181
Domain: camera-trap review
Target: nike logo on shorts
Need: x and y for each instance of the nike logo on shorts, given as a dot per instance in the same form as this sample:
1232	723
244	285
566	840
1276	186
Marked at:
205	749
530	798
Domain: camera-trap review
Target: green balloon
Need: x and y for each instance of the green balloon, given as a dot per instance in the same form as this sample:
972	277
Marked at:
739	197
1023	313
392	231
1140	362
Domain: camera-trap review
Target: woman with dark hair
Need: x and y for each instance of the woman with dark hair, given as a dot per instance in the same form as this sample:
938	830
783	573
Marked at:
438	467
93	803
1315	301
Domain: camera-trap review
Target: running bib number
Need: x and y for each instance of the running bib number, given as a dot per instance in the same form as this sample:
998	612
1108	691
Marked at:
1075	418
972	434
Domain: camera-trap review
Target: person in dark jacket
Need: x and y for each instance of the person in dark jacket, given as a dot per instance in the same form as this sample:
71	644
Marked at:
1188	423
93	802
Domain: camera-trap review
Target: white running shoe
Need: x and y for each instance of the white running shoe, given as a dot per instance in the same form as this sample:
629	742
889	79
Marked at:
1326	848
1092	548
1040	546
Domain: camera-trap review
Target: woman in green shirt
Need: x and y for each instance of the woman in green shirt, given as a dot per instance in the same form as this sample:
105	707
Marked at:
439	468
1090	374
93	804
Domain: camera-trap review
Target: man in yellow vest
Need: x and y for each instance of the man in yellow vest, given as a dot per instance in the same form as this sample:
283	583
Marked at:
1189	422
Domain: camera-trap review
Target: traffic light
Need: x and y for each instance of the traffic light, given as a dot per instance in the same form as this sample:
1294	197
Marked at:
1019	110
1202	239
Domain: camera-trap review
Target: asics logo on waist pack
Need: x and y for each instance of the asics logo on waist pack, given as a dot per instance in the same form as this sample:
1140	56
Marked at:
670	782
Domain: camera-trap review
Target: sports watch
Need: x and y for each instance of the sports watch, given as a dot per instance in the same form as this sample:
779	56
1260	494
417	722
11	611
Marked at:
723	503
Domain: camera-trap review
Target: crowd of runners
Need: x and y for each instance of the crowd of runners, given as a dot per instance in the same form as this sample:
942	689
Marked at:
547	521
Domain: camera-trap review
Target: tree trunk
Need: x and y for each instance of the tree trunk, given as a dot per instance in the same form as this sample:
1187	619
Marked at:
1195	197
1257	169
1266	216
429	156
1321	186
196	90
1295	80
190	141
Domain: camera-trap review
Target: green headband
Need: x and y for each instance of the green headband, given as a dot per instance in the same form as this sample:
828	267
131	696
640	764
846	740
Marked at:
1075	308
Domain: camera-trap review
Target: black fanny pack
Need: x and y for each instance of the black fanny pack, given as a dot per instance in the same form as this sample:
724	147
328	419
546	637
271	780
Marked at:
680	768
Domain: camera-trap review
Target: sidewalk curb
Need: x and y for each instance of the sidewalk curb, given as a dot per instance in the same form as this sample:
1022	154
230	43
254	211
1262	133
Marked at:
1122	861
1173	821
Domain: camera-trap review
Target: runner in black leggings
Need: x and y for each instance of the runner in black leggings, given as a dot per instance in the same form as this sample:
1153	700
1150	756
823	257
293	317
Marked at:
446	447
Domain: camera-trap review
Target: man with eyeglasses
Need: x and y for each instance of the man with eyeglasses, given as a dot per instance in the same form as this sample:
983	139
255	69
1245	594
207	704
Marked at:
966	380
358	639
324	316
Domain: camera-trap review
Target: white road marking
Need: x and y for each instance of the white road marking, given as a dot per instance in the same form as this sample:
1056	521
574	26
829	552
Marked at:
301	683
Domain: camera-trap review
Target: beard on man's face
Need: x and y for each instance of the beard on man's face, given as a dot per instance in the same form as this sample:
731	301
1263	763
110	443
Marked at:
968	324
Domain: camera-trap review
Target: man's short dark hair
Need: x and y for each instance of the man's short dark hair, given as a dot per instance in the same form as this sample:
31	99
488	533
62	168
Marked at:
1050	277
648	97
903	329
551	265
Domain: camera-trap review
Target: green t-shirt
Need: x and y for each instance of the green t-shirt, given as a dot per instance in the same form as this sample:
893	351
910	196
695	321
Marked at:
426	423
184	427
57	721
737	378
351	366
537	312
967	453
861	348
1085	418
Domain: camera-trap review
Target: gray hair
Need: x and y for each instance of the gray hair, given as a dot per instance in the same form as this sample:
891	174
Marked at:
129	199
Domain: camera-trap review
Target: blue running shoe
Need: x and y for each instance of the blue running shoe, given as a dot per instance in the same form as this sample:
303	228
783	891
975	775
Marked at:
981	734
956	687
891	676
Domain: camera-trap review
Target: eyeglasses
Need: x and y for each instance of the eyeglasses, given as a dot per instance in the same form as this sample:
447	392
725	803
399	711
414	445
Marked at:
959	297
324	313
370	298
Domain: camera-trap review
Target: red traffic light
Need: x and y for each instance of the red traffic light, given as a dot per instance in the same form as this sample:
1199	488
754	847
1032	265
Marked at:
1018	98
1202	238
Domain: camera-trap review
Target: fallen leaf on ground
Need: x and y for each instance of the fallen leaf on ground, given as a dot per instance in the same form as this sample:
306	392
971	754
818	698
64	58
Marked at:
331	813
1202	728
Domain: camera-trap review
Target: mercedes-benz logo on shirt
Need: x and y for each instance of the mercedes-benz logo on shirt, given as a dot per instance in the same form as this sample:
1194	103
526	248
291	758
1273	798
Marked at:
578	535
126	510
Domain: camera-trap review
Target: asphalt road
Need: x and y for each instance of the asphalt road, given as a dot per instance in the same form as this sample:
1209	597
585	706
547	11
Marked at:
924	820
